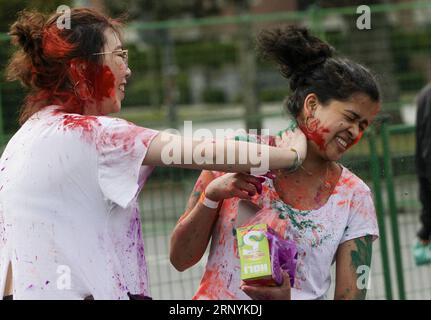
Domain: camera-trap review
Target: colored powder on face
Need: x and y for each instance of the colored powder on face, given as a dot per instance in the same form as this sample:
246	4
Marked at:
104	84
358	138
316	135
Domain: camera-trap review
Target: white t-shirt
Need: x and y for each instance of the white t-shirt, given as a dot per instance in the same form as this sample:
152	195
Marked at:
69	218
348	214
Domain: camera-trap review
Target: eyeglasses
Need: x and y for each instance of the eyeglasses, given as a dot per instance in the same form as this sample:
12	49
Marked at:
123	53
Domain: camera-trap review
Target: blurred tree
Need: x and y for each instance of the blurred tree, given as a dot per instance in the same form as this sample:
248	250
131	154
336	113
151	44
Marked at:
157	10
371	47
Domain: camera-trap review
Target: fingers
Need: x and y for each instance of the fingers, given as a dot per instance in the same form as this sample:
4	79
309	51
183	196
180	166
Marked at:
286	280
246	186
257	293
254	183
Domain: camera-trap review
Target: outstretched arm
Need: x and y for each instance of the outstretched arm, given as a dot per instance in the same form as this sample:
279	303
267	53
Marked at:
222	155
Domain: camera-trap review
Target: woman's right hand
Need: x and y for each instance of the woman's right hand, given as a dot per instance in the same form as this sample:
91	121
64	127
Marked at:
229	185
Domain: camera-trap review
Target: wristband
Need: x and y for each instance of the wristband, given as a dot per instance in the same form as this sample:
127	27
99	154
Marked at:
208	202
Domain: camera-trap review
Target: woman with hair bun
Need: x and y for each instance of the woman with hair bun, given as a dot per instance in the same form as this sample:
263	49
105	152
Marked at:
70	177
322	206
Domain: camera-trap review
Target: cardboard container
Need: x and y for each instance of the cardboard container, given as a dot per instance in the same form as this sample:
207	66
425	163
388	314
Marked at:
254	255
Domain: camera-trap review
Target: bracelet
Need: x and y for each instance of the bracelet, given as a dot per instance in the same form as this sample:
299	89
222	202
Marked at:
208	202
297	162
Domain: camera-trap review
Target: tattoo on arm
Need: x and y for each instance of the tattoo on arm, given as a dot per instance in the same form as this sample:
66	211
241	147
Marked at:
361	262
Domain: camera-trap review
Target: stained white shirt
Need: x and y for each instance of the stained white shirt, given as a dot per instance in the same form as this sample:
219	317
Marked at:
69	218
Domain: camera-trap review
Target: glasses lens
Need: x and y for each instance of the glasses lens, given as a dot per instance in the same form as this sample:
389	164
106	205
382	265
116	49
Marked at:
126	57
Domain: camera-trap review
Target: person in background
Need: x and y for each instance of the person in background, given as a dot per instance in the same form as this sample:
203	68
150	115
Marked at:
422	247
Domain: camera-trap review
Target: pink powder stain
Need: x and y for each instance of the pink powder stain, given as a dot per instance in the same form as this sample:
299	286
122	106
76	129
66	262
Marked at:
342	203
348	182
127	138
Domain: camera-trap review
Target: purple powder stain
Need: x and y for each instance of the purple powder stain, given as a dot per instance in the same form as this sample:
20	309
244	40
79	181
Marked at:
47	282
30	286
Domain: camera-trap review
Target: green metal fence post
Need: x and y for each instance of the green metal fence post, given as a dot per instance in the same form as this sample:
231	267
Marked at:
375	174
393	210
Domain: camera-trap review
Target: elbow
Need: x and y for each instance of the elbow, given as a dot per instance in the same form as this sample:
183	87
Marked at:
179	264
177	257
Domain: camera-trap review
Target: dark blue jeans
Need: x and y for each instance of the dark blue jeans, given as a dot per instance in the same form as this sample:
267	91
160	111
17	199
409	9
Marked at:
425	198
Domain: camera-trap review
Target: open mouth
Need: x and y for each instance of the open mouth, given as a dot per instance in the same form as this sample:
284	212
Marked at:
342	143
122	87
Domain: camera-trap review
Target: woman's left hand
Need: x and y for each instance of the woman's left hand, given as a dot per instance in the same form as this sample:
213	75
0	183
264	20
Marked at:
269	293
293	137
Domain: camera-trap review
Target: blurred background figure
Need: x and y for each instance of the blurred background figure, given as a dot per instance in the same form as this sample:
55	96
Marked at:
422	248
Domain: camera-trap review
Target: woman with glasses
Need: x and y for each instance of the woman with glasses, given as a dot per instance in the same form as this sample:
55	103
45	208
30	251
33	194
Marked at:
70	177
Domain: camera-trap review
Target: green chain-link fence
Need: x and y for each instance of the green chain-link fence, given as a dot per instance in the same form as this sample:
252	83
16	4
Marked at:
207	71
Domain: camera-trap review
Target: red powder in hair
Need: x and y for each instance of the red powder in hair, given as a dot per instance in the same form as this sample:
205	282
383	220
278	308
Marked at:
316	136
54	45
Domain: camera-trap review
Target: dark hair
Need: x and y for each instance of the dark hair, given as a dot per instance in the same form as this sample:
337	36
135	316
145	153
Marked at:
45	51
309	65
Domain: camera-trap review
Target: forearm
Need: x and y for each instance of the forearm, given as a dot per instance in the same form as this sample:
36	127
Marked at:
191	235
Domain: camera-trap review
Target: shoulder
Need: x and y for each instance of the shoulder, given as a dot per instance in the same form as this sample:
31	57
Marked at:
424	94
351	183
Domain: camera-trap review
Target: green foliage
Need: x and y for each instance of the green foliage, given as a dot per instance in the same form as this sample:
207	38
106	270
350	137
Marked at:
210	54
273	94
212	95
10	8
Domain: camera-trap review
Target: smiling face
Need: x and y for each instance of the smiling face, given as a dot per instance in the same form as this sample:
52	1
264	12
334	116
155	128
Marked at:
116	68
335	127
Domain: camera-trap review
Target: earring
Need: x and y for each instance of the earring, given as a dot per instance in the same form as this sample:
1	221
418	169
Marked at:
311	126
83	92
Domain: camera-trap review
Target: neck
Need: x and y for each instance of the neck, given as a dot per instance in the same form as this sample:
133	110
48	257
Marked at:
314	163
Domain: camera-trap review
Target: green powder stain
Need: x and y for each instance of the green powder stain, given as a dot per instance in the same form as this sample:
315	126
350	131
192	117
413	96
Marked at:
291	126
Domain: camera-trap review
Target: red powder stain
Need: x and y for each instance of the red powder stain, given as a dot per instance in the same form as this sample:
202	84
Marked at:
348	182
54	45
209	283
342	203
104	86
358	138
84	123
127	138
316	135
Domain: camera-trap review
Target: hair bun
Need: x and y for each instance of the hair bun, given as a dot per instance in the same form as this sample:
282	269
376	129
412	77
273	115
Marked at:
26	32
294	49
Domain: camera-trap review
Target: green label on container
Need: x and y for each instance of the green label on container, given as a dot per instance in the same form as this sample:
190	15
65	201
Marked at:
253	248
